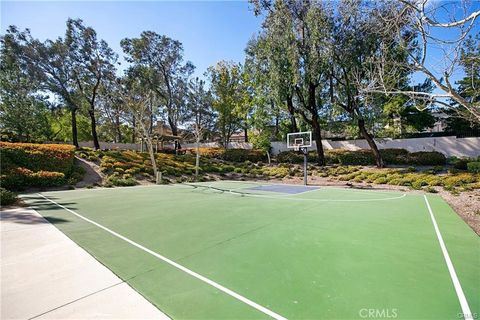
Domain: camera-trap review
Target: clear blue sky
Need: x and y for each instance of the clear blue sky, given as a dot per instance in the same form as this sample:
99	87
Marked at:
210	31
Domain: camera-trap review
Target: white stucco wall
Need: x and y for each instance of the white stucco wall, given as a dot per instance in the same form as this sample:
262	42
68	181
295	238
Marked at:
450	146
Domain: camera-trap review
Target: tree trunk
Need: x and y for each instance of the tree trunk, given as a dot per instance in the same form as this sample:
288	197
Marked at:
93	124
317	136
172	126
246	134
291	111
197	156
74	127
117	129
134	124
371	142
317	133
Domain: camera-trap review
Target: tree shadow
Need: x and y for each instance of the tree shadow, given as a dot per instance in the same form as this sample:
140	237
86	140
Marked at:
28	217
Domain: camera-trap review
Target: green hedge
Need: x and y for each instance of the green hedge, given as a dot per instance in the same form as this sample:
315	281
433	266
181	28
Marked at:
473	167
366	157
20	178
233	155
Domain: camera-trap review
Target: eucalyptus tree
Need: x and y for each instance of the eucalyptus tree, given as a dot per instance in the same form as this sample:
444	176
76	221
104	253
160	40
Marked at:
200	117
228	98
114	115
269	104
93	61
24	111
275	57
160	60
51	64
297	32
352	43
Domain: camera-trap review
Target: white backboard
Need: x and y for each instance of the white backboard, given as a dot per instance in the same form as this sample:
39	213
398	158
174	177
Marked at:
297	140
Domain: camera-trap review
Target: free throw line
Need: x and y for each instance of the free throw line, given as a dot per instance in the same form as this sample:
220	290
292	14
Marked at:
176	265
467	314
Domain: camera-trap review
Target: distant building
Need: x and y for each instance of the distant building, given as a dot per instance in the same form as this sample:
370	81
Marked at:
440	123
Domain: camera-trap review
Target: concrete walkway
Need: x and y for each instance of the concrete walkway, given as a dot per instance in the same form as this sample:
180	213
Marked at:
46	275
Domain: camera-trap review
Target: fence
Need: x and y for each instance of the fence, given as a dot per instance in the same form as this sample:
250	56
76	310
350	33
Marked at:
450	146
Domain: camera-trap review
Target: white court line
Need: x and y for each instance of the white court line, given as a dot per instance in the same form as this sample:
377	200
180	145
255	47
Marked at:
176	265
320	188
467	314
232	191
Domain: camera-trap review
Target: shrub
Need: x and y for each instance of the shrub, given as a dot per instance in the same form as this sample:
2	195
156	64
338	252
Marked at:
242	155
473	167
278	172
427	158
76	175
19	178
430	190
459	163
120	181
347	157
36	157
7	197
459	180
380	180
47	179
234	155
366	157
394	156
289	157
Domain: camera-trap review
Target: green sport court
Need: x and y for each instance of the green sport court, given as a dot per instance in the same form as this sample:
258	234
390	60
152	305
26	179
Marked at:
244	250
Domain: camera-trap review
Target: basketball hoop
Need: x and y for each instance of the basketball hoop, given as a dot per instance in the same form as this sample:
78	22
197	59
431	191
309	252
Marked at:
300	141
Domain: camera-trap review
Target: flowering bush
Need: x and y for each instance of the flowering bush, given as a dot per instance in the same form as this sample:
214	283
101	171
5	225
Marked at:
36	157
18	178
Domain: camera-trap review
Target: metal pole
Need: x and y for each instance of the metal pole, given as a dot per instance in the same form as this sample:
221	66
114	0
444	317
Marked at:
305	166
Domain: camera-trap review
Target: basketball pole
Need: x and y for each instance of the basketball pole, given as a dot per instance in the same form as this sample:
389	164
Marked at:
305	153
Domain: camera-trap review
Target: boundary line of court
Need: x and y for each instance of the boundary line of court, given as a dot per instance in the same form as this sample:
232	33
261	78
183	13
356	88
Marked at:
320	187
467	314
232	191
176	265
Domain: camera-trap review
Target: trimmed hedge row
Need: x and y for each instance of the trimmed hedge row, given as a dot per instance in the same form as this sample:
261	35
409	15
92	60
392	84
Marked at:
233	155
366	157
19	178
35	165
36	157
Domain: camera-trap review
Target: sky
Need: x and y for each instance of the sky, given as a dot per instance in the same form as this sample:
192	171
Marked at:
210	31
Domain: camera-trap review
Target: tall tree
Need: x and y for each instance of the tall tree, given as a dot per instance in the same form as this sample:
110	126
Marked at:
163	70
301	30
352	43
93	61
24	113
51	65
226	87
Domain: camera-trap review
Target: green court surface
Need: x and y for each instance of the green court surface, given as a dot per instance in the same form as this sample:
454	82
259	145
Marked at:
331	253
